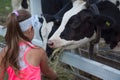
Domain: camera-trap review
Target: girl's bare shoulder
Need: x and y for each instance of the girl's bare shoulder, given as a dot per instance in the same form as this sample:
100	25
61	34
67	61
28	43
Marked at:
35	55
38	52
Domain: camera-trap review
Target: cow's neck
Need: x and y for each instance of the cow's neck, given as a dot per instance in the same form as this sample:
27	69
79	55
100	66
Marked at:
77	2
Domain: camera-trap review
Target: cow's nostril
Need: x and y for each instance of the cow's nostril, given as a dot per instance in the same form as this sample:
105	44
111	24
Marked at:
50	43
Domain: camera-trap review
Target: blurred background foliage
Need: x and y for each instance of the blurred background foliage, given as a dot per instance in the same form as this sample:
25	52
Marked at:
5	7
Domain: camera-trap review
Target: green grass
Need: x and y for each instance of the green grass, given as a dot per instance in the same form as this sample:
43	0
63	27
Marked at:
2	39
5	7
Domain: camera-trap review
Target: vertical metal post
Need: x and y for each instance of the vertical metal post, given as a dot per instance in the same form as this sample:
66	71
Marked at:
35	6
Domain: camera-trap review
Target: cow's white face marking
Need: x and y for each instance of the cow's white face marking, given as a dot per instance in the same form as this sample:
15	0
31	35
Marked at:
71	44
58	42
45	30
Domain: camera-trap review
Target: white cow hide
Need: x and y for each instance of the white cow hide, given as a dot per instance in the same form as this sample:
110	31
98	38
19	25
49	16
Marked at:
45	30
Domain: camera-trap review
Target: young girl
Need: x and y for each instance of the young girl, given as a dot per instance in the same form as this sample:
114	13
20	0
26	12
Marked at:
20	58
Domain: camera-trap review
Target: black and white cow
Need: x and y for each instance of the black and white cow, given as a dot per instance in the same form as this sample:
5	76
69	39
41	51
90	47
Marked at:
52	7
51	23
80	23
52	19
55	41
19	4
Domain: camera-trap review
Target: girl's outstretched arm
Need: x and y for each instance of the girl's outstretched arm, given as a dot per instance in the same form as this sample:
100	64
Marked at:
46	70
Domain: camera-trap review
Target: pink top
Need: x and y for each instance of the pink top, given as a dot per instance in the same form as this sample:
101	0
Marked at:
27	71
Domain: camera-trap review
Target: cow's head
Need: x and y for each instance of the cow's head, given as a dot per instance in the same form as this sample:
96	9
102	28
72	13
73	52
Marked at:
80	28
51	24
57	39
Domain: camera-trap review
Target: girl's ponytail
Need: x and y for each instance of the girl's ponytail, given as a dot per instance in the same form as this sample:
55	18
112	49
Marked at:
12	39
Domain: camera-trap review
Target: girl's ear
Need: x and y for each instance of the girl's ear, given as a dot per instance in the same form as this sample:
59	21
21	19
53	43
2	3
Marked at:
30	29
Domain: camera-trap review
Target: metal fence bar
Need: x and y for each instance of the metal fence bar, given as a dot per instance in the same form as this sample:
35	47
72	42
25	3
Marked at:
2	31
92	67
